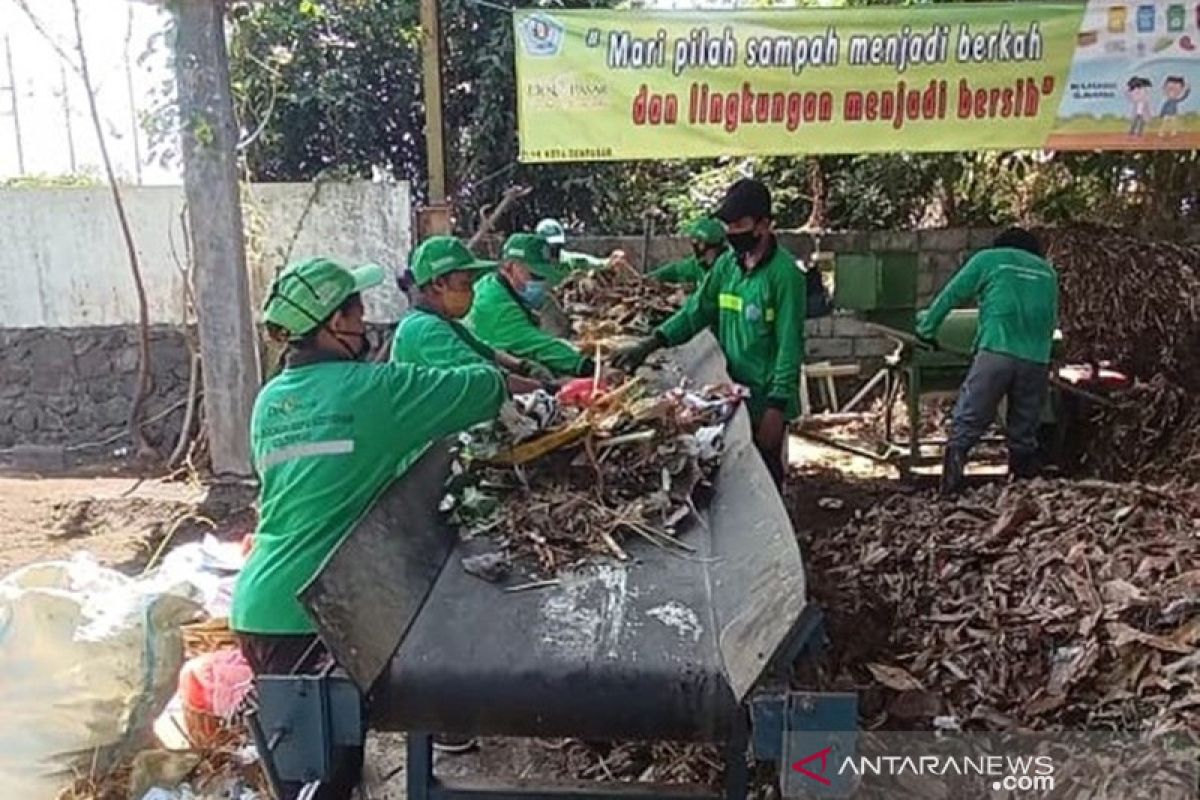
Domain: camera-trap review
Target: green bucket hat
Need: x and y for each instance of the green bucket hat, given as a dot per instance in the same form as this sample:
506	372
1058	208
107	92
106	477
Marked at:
533	251
441	255
705	229
307	293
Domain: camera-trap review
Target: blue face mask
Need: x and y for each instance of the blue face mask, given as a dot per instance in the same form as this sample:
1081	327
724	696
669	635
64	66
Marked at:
534	293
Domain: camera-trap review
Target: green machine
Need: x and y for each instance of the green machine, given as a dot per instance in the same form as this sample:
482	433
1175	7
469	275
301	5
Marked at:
881	288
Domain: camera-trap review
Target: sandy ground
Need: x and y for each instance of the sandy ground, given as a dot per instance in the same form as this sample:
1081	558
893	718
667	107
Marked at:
121	521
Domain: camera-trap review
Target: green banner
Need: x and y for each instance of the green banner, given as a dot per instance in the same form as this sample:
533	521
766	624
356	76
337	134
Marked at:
608	85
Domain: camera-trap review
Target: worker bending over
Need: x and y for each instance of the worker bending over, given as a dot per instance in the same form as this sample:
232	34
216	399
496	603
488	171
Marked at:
707	238
504	314
1017	292
570	260
754	297
430	335
327	436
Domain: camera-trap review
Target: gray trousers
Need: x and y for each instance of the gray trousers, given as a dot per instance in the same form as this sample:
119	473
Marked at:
994	377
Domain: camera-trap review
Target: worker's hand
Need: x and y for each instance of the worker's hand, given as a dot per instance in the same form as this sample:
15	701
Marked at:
631	356
534	369
519	384
771	430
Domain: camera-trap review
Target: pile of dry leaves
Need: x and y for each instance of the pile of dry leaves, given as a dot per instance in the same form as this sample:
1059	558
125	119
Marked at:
628	467
645	762
611	303
1051	605
1135	303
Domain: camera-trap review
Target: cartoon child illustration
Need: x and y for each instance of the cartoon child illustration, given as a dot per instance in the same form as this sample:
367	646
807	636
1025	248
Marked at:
1177	90
1139	96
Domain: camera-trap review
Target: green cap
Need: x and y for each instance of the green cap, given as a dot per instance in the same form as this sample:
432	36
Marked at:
441	255
552	231
705	229
307	293
533	251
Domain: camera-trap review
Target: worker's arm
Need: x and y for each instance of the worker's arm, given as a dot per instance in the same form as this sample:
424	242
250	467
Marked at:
513	332
965	285
429	403
697	313
791	309
681	271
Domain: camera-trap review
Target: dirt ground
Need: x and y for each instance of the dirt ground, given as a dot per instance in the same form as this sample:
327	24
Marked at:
119	520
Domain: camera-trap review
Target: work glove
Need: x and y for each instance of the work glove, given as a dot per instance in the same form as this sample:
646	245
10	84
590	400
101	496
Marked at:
535	369
630	357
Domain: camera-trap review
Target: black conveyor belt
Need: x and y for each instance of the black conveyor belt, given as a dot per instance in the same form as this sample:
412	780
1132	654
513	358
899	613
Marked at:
664	648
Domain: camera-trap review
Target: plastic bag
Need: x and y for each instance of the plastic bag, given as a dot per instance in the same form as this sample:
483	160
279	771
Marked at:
88	658
215	683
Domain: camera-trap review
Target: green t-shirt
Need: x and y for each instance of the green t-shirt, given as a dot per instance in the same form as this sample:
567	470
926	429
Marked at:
758	316
1018	303
430	340
573	260
326	439
501	320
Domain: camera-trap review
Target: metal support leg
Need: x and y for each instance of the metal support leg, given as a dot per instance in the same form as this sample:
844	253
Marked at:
737	768
914	414
419	766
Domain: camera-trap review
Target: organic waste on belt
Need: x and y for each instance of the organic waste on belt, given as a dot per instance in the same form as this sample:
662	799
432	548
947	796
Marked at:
554	485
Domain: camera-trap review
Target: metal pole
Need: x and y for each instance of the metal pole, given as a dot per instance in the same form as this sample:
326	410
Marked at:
12	98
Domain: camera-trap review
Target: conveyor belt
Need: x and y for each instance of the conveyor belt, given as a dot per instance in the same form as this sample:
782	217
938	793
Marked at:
664	648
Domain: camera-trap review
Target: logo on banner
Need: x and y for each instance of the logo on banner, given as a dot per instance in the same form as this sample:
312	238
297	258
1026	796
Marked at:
541	35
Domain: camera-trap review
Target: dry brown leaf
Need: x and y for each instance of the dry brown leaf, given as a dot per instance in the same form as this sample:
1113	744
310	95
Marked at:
895	678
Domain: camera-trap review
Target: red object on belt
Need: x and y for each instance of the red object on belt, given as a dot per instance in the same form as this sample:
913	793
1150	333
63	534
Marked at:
578	393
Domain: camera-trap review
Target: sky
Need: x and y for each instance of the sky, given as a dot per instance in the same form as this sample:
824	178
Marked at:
54	124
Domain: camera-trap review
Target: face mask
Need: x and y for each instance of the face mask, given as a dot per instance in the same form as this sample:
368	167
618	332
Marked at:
357	352
534	293
458	303
743	242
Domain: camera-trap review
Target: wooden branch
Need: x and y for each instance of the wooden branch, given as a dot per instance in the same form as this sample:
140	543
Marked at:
511	195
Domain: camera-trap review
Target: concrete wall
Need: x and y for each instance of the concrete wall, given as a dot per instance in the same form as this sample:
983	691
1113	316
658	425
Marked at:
64	262
68	312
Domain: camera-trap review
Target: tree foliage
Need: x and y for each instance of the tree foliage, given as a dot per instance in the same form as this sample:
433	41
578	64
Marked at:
334	87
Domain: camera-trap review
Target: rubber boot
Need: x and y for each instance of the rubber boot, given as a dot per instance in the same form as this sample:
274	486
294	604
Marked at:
954	465
1022	466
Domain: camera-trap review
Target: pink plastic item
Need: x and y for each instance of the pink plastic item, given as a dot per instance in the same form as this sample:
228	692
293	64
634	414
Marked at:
215	683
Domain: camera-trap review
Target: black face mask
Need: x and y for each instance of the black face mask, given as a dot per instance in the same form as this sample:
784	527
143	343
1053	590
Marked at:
743	242
357	352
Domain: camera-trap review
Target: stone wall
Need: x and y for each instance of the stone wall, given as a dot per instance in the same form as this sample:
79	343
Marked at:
72	386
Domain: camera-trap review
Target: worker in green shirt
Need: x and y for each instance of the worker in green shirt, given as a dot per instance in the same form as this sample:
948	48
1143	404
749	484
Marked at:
556	235
327	436
754	298
707	237
1017	291
504	314
430	335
